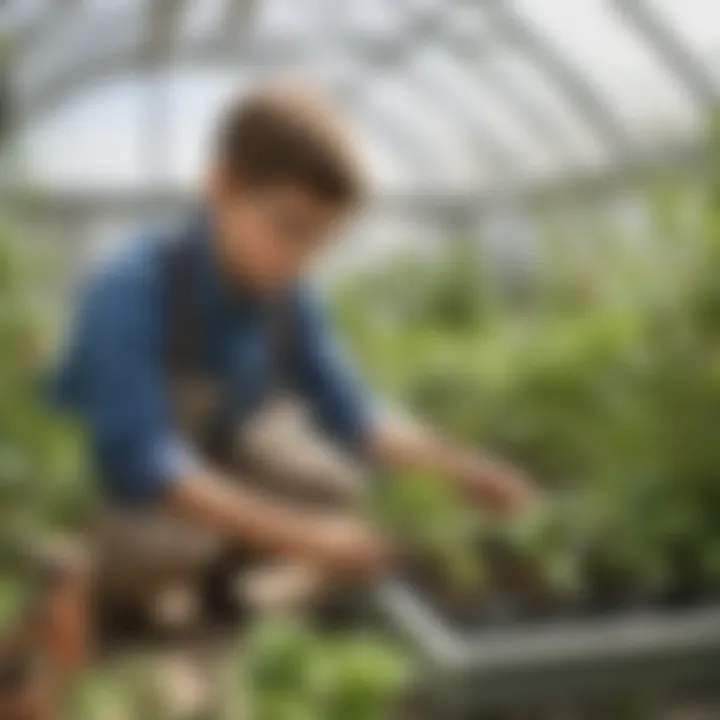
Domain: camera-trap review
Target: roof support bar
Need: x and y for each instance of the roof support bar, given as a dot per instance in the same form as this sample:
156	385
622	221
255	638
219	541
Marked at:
236	16
33	38
164	18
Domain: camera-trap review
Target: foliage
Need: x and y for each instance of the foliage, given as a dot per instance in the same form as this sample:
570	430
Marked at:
433	525
124	690
604	381
42	484
290	672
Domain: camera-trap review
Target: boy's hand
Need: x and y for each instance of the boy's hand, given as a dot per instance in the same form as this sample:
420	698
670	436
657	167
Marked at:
498	486
346	546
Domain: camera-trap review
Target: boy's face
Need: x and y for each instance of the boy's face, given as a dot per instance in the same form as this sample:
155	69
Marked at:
268	234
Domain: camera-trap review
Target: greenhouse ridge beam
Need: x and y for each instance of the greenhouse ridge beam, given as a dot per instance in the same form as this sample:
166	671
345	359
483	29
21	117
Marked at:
607	181
116	62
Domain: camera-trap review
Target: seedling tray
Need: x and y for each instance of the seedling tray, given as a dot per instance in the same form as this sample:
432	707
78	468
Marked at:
555	659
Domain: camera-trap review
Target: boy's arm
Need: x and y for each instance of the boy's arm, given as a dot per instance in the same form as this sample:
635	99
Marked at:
144	460
343	409
400	442
338	545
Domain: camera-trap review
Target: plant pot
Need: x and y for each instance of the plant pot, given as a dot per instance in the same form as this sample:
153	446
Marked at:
24	686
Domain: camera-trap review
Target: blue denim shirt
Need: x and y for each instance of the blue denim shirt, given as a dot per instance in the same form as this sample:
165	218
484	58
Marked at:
113	373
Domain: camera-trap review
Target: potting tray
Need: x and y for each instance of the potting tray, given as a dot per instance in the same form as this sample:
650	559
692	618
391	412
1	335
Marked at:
559	658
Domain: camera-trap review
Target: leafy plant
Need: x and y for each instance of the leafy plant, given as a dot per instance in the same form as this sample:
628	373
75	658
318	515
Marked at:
432	523
603	382
286	671
42	478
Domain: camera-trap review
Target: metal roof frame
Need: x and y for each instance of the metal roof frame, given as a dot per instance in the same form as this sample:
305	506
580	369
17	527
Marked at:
147	37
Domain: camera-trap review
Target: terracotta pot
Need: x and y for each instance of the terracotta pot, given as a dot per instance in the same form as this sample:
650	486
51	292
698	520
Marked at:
25	692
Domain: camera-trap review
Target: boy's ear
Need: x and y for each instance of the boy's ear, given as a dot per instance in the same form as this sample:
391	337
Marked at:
215	185
219	186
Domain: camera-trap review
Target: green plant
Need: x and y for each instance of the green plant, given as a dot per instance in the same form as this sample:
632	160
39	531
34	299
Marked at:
603	382
42	478
286	671
430	521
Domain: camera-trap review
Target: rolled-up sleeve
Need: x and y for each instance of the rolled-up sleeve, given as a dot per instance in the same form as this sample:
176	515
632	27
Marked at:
122	394
326	378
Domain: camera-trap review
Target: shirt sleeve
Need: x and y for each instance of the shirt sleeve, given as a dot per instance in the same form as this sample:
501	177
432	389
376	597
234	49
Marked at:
325	377
123	395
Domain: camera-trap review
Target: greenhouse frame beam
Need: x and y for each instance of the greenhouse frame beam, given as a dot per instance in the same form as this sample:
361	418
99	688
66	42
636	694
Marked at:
573	84
235	18
379	57
123	60
35	36
586	184
493	146
536	118
163	23
531	113
98	204
670	49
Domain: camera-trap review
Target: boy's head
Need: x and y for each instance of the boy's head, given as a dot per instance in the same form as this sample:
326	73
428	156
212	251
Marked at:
285	176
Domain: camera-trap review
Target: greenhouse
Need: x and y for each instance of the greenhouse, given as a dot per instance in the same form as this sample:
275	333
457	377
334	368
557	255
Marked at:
536	274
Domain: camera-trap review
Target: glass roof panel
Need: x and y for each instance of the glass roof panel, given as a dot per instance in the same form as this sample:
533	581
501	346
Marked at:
18	15
616	62
95	143
542	109
421	132
371	18
697	23
445	99
200	18
488	125
74	44
464	25
282	19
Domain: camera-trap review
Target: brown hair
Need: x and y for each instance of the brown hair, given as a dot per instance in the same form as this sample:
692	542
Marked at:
291	134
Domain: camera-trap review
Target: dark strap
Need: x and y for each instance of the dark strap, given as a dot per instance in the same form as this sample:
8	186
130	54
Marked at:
182	306
183	338
184	334
182	302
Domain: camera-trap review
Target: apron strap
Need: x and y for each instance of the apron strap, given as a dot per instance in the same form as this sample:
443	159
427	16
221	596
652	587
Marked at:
184	334
183	343
182	307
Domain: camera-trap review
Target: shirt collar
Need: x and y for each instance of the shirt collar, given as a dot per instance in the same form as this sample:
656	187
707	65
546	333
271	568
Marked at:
223	294
220	292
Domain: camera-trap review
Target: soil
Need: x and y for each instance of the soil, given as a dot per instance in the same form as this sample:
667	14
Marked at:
515	596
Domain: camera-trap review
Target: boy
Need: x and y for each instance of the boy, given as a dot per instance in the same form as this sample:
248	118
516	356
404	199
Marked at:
180	339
